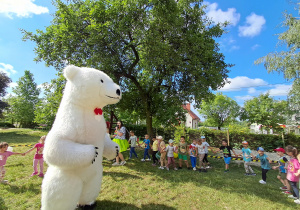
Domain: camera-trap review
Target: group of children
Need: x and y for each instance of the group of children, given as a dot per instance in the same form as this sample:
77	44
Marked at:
38	158
289	170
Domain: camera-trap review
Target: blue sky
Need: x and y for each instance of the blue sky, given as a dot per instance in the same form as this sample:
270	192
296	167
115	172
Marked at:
250	36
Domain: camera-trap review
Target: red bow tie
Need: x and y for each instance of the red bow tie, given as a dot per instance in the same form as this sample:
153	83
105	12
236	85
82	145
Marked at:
98	111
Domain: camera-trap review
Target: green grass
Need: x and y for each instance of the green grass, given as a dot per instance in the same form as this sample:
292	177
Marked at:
139	185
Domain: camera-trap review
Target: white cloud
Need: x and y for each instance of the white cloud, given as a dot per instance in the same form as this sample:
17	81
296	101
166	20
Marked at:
234	47
251	90
254	47
243	98
242	82
13	84
280	90
253	27
21	8
219	16
7	68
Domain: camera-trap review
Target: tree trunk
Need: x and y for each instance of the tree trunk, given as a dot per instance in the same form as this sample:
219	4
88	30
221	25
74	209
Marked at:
219	128
149	120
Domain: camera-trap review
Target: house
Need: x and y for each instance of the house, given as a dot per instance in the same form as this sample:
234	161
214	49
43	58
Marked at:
192	119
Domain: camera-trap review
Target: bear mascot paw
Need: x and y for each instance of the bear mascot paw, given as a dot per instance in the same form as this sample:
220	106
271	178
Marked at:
77	141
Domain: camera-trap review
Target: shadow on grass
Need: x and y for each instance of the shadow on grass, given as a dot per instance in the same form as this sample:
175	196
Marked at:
2	204
20	136
111	205
120	175
18	190
232	182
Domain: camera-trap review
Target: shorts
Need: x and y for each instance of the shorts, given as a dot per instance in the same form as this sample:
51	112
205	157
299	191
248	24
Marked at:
180	156
282	175
227	160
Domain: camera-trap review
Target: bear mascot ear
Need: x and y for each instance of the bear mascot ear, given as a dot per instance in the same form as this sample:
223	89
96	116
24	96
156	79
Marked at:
71	71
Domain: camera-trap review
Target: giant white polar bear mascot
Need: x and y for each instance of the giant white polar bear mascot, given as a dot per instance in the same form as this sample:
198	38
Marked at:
77	141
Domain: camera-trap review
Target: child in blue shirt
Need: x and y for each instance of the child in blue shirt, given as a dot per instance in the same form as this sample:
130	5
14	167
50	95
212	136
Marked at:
247	154
265	164
147	147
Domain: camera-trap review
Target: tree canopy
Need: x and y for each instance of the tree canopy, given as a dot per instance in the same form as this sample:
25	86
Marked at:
4	83
220	111
162	53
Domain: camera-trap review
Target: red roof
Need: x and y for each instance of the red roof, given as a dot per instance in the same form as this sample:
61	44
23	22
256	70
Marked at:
191	113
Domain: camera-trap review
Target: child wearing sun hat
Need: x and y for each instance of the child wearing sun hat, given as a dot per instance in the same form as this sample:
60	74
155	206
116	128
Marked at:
247	154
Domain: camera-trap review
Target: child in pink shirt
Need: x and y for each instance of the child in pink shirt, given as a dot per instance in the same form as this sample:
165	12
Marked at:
4	154
38	157
293	172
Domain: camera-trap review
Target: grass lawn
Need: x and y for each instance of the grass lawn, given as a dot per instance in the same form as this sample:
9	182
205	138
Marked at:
138	185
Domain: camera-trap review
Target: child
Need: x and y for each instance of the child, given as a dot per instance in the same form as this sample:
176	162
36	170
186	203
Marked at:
247	154
283	163
206	152
163	153
154	151
4	154
182	152
133	141
170	154
226	153
293	172
265	164
201	153
147	147
193	154
38	157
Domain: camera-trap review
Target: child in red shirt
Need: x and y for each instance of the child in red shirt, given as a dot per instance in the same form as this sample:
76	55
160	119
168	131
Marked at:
38	157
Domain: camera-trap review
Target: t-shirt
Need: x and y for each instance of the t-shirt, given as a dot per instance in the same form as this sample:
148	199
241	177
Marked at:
293	168
192	150
155	146
264	161
206	147
39	151
246	154
133	141
226	150
147	143
170	151
201	148
4	156
283	162
182	148
121	130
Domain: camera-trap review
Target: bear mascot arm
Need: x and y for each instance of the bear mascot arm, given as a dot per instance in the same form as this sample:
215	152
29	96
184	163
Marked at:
110	148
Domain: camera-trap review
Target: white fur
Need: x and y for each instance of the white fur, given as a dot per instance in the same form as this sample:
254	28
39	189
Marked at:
71	178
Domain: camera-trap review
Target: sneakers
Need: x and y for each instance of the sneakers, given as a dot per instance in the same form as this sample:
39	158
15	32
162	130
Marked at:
204	170
179	168
283	188
247	174
167	169
253	174
175	169
226	170
34	173
122	163
41	175
208	166
161	167
297	201
292	197
262	182
195	169
148	159
143	160
287	192
4	181
115	164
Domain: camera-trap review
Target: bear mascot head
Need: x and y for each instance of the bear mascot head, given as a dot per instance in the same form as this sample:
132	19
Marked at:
77	141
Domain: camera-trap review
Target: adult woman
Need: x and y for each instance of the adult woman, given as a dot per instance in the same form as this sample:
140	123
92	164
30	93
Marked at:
122	142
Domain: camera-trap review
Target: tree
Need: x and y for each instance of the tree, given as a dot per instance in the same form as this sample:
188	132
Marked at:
47	108
220	111
287	62
4	83
266	111
162	53
23	104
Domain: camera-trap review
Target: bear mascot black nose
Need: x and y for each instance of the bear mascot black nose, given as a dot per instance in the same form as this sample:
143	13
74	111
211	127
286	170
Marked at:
118	92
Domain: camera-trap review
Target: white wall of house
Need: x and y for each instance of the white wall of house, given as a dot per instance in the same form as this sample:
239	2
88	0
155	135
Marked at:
189	122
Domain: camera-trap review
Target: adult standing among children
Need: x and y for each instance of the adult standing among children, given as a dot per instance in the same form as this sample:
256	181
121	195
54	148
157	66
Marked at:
122	142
